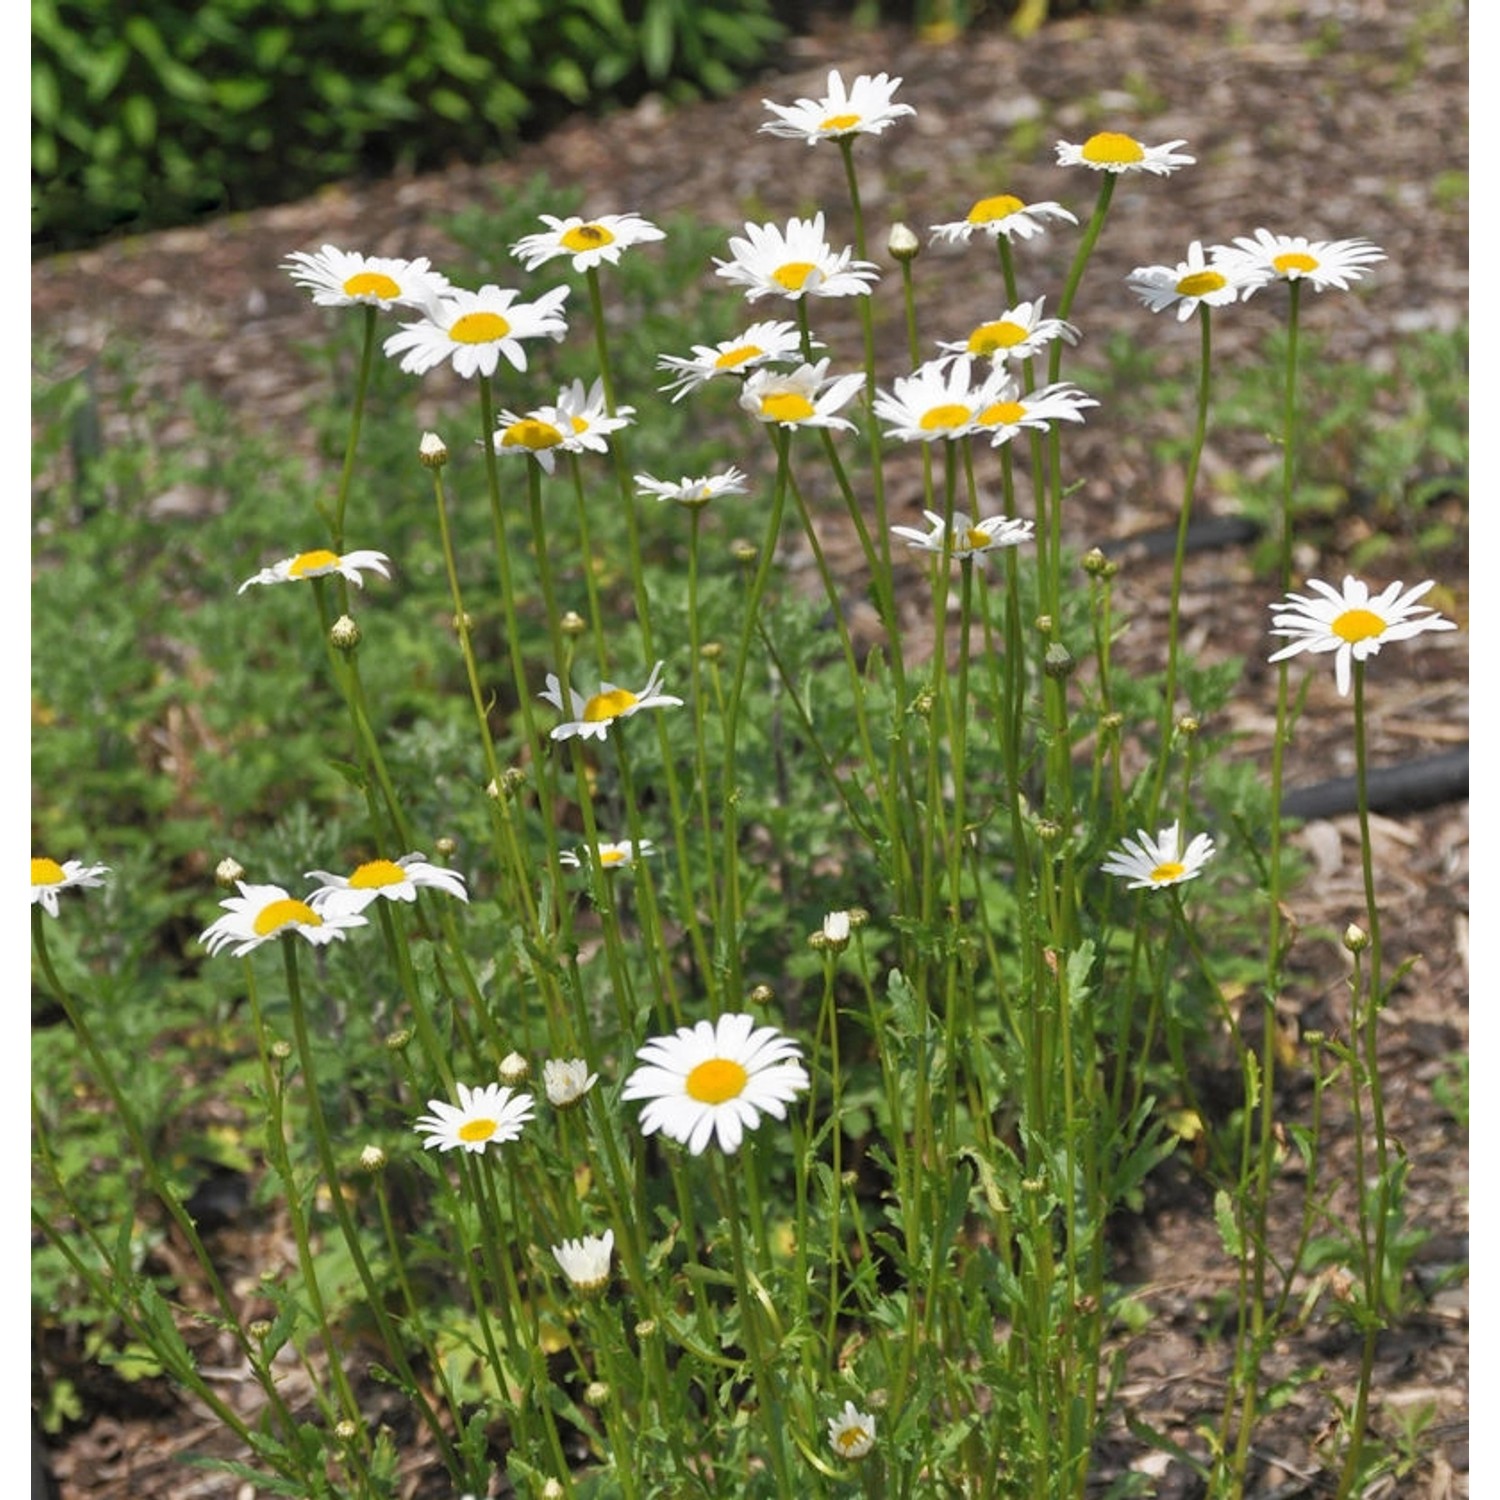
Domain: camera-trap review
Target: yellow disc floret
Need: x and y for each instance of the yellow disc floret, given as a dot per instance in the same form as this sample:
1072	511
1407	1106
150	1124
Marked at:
732	358
989	337
477	1130
1001	206
478	328
372	284
604	706
47	872
376	874
1168	870
1110	148
787	406
793	275
1201	283
716	1080
942	418
284	913
587	237
311	562
1358	625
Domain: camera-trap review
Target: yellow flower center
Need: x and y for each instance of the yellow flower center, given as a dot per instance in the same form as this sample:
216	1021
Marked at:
611	856
478	328
793	275
278	914
309	562
942	418
716	1080
605	706
376	874
587	237
372	284
530	433
1109	148
1167	870
989	337
477	1130
1001	206
1358	625
1201	283
1001	414
731	358
580	424
46	872
840	122
1294	260
977	538
850	1439
787	406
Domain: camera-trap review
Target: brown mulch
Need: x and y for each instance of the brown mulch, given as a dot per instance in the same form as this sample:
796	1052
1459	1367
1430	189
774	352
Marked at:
1331	118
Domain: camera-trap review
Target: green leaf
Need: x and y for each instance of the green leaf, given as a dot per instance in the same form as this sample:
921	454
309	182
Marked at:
1229	1229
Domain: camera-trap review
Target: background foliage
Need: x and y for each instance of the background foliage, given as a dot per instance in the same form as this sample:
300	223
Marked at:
157	113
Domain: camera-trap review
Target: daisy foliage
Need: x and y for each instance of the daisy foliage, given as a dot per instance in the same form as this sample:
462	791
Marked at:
1350	622
715	1080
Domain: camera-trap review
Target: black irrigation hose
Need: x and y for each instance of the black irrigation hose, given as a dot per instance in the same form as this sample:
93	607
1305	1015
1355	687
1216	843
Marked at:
1418	784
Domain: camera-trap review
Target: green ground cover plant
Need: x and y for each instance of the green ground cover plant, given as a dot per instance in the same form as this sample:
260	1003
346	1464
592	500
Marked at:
697	1051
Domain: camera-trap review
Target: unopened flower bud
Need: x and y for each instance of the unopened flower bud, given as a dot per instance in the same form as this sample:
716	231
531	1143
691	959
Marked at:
762	994
711	650
902	243
572	623
372	1159
399	1041
433	451
1095	563
1044	624
1058	663
743	551
553	1490
446	847
836	930
346	1431
1188	726
514	1070
344	633
281	1050
596	1393
259	1329
646	1329
1356	939
858	916
228	871
1047	830
462	622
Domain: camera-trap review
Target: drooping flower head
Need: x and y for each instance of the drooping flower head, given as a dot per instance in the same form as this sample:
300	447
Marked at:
262	912
49	879
1002	214
612	856
759	344
473	329
1150	863
968	538
932	403
865	108
693	492
1350	622
851	1434
1004	409
345	278
1271	257
318	564
805	397
1109	151
1189	285
794	262
585	1262
715	1078
382	880
482	1117
588	241
1018	333
592	716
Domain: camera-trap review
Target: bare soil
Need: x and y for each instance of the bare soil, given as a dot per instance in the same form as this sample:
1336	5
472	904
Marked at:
1332	118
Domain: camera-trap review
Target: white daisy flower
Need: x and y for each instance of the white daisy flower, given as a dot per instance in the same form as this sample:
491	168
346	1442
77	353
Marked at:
804	397
1283	257
934	402
585	1262
1188	285
759	344
589	418
567	1080
382	879
611	856
1018	333
1109	151
318	564
1350	623
693	492
482	1117
593	716
345	278
794	262
1004	409
864	109
835	930
1002	214
474	329
578	422
968	538
262	912
536	434
48	878
717	1077
588	241
1149	863
851	1434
